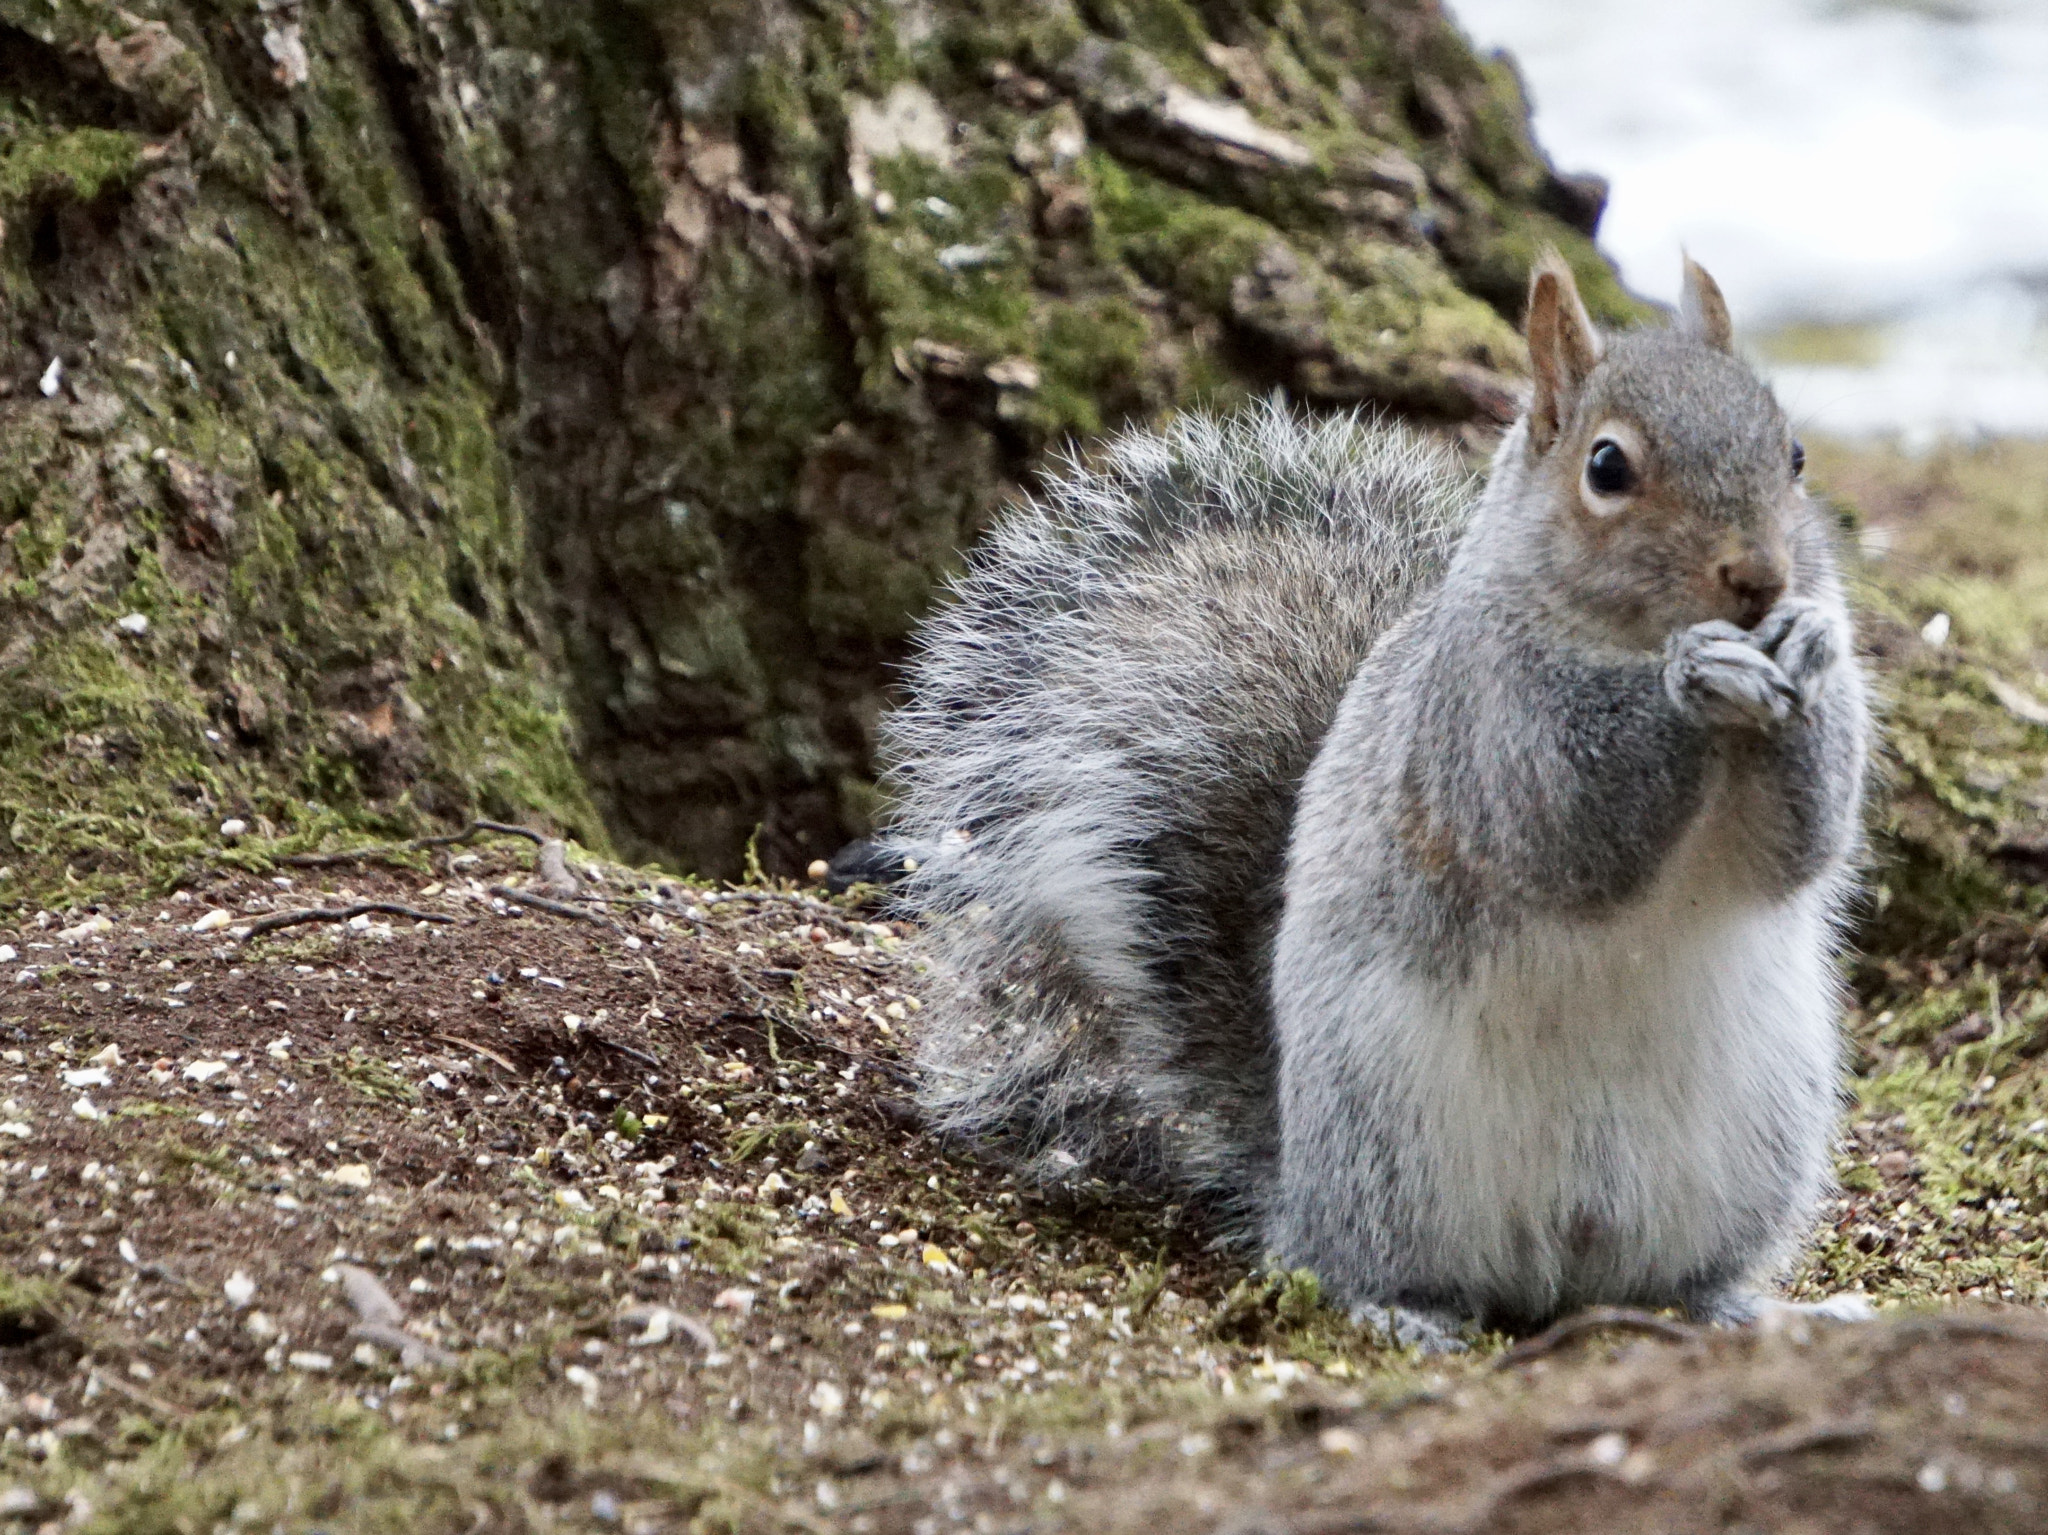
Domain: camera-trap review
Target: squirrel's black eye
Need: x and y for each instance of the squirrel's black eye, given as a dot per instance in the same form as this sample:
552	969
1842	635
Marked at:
1798	458
1607	468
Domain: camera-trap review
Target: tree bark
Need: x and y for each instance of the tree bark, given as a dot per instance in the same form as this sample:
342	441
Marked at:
563	411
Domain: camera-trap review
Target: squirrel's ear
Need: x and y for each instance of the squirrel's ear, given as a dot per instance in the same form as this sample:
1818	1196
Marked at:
1702	312
1563	348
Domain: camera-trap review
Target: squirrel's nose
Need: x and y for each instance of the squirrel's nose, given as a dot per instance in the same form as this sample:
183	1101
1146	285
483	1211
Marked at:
1755	581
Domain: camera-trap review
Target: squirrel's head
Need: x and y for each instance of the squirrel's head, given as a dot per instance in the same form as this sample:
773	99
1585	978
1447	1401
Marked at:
1663	477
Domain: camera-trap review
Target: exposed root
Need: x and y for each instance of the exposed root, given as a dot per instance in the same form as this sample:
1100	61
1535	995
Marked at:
285	919
1595	1319
552	908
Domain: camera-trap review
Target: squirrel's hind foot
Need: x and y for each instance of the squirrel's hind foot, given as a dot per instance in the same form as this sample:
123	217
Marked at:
1744	1308
1433	1332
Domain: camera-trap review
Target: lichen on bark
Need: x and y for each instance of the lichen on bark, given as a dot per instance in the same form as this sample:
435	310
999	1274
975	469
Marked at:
566	412
263	554
852	271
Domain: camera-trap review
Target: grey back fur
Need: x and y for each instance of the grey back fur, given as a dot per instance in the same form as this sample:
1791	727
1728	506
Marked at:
1097	770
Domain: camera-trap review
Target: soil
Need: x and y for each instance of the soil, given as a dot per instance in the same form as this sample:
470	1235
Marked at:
516	1221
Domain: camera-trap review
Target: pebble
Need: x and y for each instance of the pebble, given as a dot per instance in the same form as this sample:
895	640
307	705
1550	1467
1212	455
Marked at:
233	827
204	1071
213	921
133	623
1341	1441
239	1288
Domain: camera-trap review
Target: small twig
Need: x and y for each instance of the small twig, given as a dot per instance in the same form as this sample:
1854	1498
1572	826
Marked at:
499	827
648	902
366	1293
141	1398
625	1050
171	1276
656	1324
340	914
818	910
876	1064
470	1044
1595	1319
382	1318
763	1008
552	908
1829	1433
412	1352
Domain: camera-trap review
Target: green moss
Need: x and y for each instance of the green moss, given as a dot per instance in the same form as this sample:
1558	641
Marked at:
373	1078
730	1238
30	1307
77	163
1493	259
1970	1214
1175	240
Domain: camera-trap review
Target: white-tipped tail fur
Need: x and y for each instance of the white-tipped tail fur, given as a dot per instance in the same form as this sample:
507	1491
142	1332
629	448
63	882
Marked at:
1097	770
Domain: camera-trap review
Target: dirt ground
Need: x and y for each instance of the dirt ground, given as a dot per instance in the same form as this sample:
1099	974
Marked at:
513	1221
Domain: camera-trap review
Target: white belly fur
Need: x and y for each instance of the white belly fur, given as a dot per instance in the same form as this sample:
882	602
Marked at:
1647	1082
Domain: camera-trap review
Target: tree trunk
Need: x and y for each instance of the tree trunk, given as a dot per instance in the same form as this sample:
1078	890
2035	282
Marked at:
563	411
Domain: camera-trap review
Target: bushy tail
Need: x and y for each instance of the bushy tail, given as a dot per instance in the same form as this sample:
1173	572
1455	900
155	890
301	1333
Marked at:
1096	771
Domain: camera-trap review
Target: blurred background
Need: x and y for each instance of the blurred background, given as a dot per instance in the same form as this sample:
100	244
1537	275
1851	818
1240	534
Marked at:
1868	179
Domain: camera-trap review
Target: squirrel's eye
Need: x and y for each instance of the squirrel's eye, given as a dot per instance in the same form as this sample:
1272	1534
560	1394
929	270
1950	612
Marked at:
1608	471
1798	458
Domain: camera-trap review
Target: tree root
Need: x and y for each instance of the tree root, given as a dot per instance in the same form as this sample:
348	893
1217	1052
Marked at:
1595	1319
340	914
552	908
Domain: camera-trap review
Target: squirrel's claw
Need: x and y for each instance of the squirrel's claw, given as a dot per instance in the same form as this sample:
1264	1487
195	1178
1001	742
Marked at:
1431	1332
1727	681
1807	641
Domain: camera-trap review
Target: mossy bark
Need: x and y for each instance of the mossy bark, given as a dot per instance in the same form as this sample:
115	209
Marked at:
564	411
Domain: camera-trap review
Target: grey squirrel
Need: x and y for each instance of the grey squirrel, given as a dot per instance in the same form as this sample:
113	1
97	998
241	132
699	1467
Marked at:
1440	882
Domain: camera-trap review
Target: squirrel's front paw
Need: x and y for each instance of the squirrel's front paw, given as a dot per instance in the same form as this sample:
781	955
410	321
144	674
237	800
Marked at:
1716	671
1807	641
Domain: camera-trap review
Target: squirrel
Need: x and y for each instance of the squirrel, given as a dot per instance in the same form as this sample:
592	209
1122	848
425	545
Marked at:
1438	881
